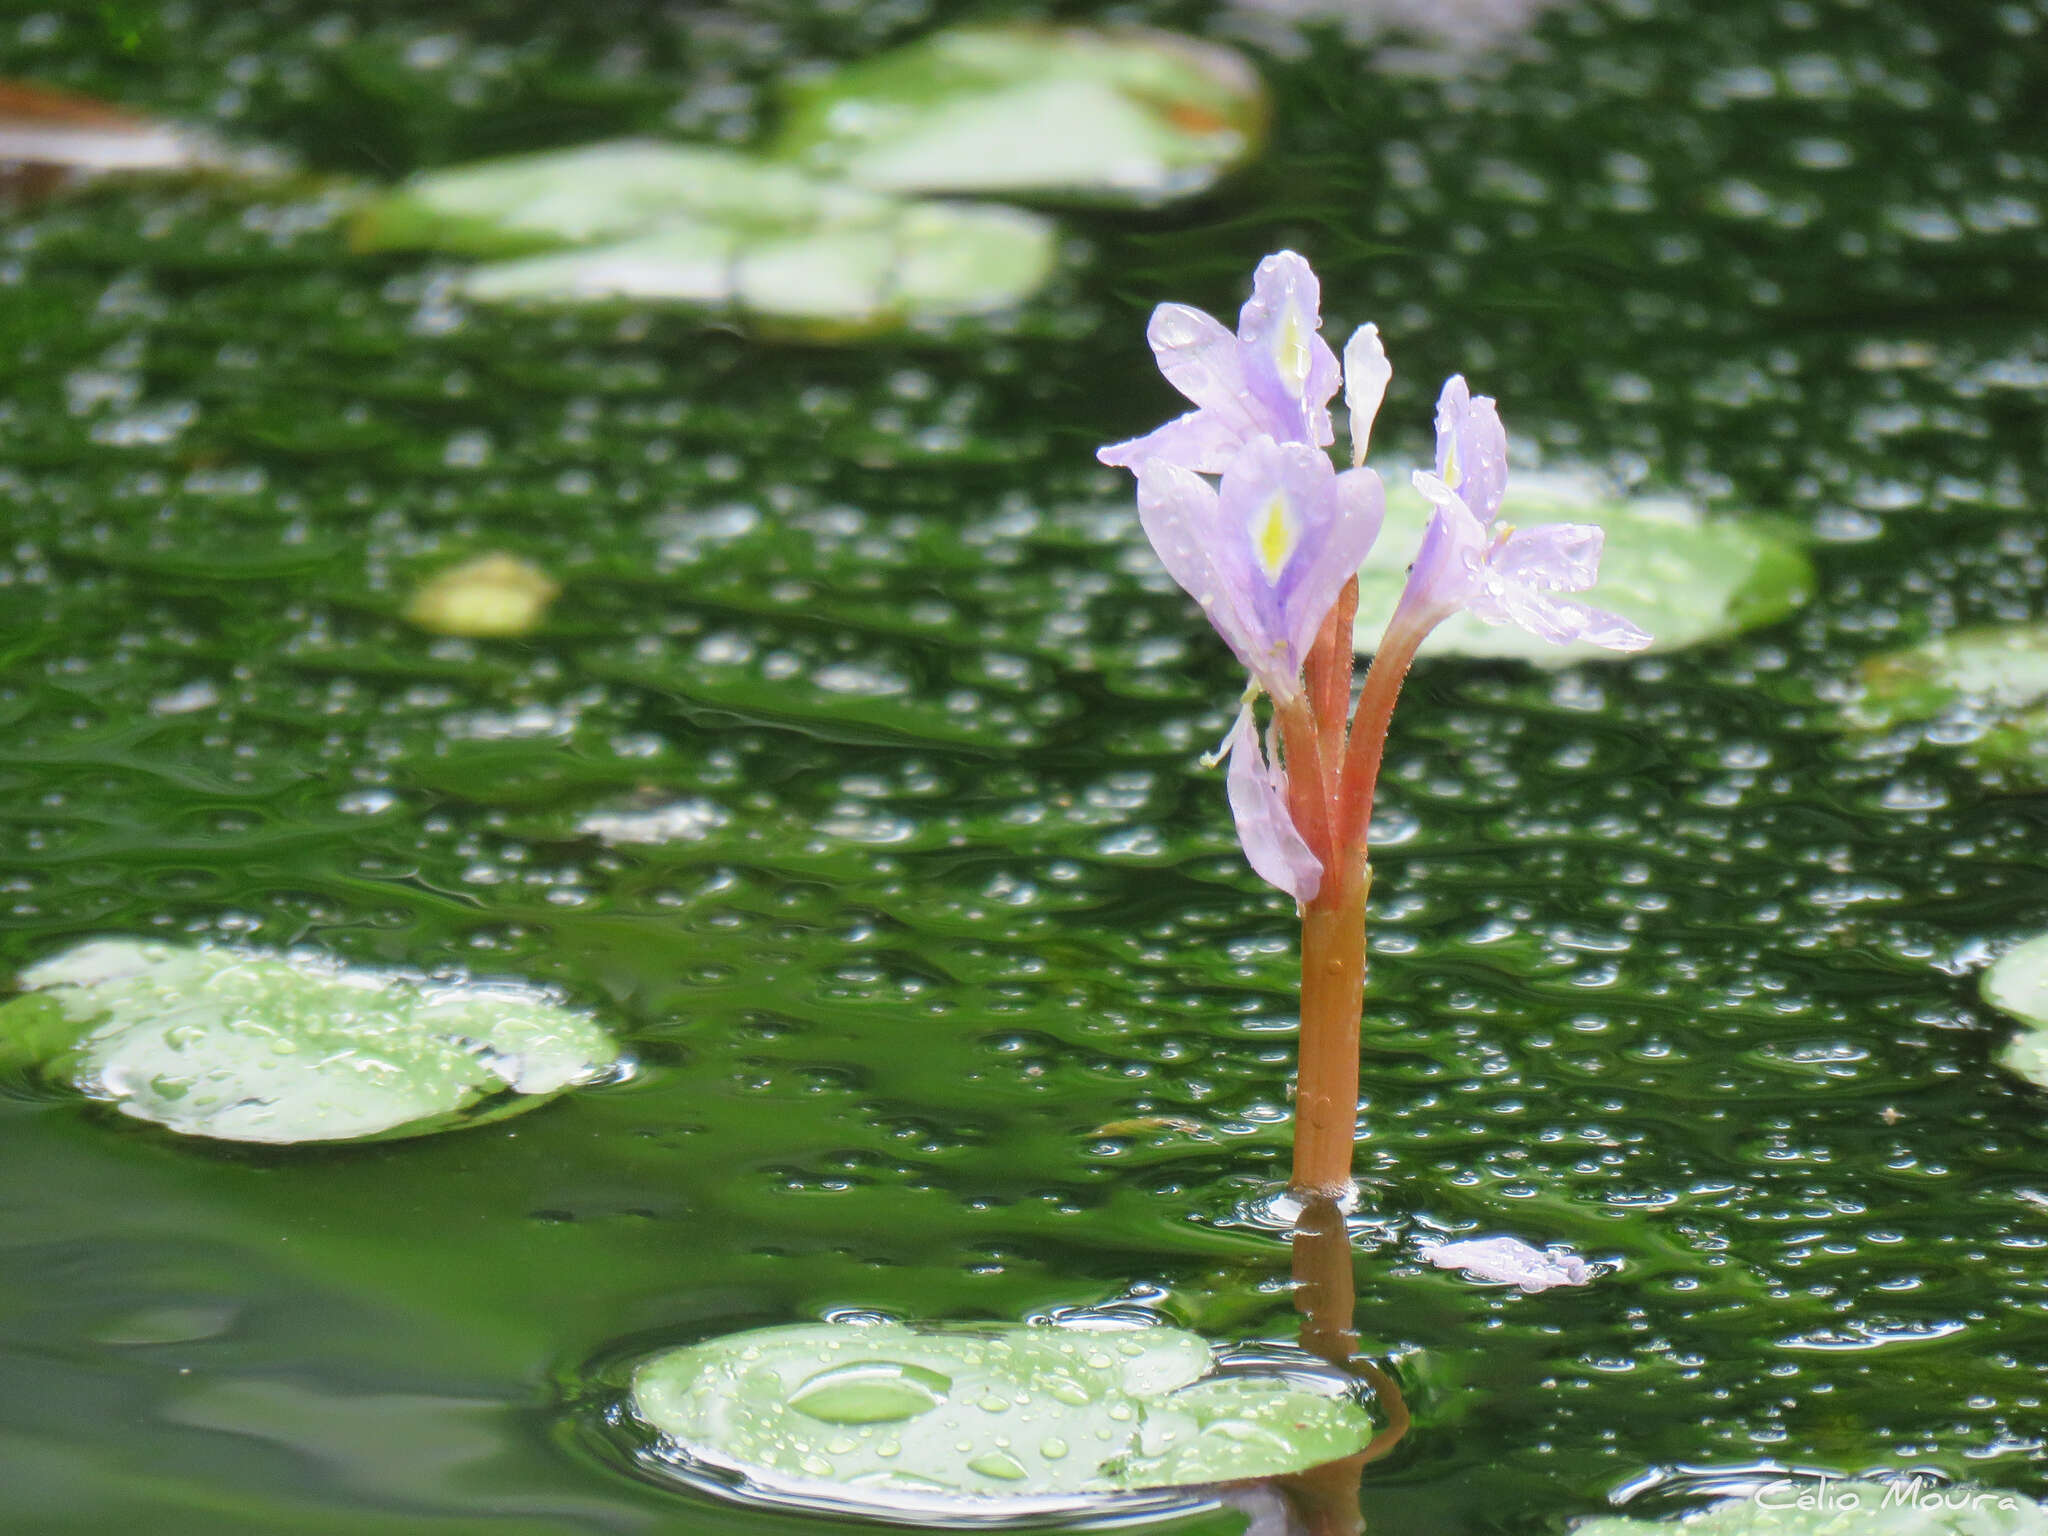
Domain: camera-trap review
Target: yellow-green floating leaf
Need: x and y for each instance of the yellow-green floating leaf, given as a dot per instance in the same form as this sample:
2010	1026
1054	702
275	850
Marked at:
1988	685
243	1046
893	1419
1126	116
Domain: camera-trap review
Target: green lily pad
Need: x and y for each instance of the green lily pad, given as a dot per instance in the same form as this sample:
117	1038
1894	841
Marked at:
1685	577
240	1046
900	262
1990	684
1119	116
1844	1507
895	1419
2018	985
595	193
716	228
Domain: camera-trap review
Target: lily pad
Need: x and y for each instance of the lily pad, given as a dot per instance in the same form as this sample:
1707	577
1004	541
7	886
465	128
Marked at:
896	1420
242	1046
895	261
594	193
1119	116
1990	683
1685	577
1844	1507
2018	985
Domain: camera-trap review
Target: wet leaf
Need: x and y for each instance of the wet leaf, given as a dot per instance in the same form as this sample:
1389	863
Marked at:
1684	577
594	193
890	1417
1987	686
882	263
242	1046
1816	1507
2018	985
493	596
1130	116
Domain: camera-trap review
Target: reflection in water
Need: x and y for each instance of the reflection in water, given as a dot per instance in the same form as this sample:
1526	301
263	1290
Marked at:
1324	1500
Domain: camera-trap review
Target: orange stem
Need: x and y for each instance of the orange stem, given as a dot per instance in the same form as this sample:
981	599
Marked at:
1328	672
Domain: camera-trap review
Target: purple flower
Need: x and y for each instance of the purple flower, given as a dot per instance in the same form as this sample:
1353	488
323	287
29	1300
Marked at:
1274	378
1266	553
1502	574
1257	787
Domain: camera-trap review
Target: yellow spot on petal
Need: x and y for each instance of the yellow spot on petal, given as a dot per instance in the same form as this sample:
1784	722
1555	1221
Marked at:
1454	472
1291	352
1274	536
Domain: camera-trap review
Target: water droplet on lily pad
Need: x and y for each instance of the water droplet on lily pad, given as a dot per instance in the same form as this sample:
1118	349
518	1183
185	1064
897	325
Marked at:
1124	116
243	1046
1991	682
895	1421
1805	1506
1685	577
2018	985
493	596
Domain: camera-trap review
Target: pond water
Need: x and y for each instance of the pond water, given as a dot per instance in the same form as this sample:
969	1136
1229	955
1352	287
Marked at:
949	992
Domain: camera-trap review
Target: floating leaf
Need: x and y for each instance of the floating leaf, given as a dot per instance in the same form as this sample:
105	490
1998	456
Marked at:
1801	1506
890	1417
596	192
492	596
894	261
642	220
1990	684
2018	985
240	1046
1684	577
1131	116
48	136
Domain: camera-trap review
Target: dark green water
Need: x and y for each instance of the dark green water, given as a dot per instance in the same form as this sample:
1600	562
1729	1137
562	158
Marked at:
1663	967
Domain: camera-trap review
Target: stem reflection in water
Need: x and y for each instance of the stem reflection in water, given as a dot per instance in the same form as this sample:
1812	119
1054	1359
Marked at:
1323	1501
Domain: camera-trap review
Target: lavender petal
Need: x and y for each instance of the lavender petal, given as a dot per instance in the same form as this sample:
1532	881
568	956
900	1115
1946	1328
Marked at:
1558	619
1351	508
1471	448
1558	557
1200	441
1288	367
1366	375
1449	567
1278	501
1180	515
1201	360
1257	789
1510	1261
